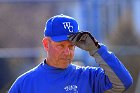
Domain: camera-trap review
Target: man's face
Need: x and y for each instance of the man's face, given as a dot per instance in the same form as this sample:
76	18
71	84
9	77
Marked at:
59	54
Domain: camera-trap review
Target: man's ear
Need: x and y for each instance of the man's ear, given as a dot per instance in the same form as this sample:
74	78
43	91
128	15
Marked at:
45	43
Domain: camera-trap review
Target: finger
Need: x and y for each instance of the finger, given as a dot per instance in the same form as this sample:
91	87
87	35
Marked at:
76	38
83	37
71	36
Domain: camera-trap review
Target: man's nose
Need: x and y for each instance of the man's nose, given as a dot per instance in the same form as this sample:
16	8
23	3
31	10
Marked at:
67	51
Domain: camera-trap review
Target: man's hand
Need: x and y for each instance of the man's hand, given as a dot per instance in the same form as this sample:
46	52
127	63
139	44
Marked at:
85	41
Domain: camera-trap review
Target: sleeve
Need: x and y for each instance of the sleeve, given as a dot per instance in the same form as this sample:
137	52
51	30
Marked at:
114	69
15	88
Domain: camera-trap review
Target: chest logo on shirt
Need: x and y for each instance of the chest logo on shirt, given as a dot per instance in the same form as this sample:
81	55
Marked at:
68	26
71	89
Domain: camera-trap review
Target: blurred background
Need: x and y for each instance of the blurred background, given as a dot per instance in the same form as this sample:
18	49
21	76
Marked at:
115	23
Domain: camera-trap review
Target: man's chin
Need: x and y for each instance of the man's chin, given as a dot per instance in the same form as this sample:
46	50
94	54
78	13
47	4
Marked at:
66	64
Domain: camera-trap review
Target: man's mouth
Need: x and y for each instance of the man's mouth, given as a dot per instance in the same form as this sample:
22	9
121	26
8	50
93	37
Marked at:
66	59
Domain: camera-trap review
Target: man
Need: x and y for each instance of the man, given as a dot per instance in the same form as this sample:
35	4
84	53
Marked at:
57	74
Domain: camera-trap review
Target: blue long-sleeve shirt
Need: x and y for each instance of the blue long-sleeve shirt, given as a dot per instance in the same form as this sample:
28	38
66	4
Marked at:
111	76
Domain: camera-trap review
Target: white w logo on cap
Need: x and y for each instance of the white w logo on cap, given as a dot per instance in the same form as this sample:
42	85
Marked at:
68	26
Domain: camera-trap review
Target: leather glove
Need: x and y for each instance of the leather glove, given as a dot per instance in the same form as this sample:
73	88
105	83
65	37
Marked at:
85	41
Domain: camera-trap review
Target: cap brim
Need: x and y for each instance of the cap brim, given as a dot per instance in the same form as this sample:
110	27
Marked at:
59	38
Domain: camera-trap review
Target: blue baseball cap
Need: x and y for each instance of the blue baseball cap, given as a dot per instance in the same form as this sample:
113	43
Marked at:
59	27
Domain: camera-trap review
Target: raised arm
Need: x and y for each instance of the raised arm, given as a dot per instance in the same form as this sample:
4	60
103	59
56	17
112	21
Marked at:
114	69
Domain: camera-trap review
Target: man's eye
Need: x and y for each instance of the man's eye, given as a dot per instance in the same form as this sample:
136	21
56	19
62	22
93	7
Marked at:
62	46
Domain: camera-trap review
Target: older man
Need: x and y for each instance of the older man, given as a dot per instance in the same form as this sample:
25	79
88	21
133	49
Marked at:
57	74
